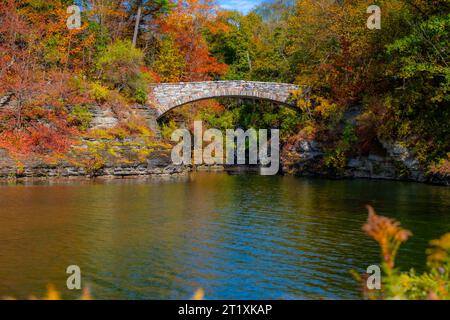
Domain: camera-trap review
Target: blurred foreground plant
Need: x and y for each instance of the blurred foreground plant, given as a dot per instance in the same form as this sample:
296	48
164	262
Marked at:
53	294
199	294
434	284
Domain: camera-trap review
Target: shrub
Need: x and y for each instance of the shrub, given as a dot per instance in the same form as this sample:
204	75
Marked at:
43	133
336	158
119	66
98	92
80	117
442	166
167	129
140	96
137	127
91	158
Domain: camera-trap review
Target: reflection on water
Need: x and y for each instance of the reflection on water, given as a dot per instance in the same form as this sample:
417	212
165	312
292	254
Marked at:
238	237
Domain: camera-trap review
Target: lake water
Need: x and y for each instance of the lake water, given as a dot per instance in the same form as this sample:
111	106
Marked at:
235	236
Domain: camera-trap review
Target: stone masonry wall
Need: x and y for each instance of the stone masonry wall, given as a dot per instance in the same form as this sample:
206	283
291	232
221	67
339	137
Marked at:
166	96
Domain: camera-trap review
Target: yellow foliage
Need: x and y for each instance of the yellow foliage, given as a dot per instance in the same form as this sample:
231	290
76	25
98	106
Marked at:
98	92
52	294
199	294
439	251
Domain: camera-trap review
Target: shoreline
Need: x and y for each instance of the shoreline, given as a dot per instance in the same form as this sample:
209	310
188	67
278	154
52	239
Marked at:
183	172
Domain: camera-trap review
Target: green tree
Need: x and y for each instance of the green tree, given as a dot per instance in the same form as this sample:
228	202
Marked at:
121	67
419	69
170	63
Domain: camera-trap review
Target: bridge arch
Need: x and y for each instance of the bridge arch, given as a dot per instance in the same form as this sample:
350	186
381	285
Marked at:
168	96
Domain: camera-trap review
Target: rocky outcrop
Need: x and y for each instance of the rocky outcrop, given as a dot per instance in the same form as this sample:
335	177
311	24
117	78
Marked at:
403	156
439	178
150	116
4	100
306	158
102	118
131	156
157	164
303	158
371	166
105	118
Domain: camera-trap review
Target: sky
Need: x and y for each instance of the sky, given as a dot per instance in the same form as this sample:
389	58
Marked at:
243	6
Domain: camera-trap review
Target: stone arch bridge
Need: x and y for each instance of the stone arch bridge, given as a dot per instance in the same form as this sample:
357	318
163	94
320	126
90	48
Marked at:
167	96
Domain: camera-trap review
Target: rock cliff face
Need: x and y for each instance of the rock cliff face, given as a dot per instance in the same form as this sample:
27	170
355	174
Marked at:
156	162
106	118
401	154
102	118
305	158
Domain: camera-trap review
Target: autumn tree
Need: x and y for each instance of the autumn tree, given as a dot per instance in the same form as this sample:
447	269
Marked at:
120	67
28	124
419	73
144	11
186	24
170	64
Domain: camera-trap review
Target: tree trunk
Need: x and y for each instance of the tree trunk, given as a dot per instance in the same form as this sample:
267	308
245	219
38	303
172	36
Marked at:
136	26
249	61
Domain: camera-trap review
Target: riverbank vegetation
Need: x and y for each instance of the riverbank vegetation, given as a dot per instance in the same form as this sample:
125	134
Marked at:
365	86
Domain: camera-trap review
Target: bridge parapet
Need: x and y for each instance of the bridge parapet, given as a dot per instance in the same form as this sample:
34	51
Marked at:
166	96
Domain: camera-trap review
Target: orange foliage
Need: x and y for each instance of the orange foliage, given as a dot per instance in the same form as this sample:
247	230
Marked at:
155	78
112	15
185	24
442	166
199	294
36	123
388	233
67	48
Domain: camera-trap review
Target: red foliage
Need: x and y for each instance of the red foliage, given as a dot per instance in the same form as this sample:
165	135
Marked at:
36	132
35	123
153	75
